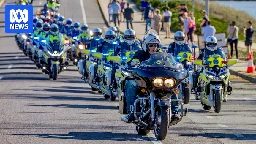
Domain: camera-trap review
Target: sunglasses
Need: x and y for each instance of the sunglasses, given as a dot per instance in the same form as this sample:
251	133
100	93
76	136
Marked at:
153	45
211	44
179	38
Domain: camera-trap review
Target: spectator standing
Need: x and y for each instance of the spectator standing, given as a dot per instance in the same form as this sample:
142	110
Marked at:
167	22
208	30
185	22
143	6
191	27
122	4
205	20
183	9
248	33
157	18
116	11
233	37
110	13
148	15
129	15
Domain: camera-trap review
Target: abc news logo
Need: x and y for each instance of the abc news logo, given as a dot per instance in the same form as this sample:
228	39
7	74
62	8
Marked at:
18	18
16	21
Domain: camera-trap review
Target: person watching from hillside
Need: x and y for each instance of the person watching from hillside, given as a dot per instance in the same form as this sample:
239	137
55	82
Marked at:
183	8
233	37
248	33
205	20
129	15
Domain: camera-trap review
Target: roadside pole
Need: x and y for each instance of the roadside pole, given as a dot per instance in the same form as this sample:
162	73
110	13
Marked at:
207	7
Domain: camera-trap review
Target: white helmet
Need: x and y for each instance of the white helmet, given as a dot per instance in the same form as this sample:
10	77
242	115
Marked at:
113	28
151	37
110	36
211	43
129	36
179	38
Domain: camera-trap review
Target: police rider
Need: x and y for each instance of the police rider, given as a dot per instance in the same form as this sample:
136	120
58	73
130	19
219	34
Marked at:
151	44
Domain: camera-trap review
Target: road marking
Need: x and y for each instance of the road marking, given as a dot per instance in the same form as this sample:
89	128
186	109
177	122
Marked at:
221	125
239	135
16	57
10	66
152	138
209	117
83	11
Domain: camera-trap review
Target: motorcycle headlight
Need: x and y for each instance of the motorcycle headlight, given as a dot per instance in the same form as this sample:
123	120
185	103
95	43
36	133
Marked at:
169	83
158	82
24	36
81	46
75	38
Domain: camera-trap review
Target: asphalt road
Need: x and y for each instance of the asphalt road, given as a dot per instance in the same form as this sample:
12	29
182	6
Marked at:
35	110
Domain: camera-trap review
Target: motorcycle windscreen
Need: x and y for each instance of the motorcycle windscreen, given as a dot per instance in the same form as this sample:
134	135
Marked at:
161	65
55	46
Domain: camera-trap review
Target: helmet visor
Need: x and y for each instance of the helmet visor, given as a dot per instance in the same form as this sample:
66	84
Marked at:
179	38
129	37
110	37
156	45
97	34
211	44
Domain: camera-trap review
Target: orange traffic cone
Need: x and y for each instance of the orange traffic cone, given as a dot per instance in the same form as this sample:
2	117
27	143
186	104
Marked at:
250	68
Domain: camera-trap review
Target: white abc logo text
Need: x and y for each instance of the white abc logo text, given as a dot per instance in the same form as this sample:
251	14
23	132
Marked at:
14	19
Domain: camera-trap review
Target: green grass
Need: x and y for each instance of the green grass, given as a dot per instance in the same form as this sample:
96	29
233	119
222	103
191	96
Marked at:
220	16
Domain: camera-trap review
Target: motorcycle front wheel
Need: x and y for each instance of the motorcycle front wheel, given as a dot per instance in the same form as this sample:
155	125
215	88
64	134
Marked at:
217	101
161	123
54	71
186	95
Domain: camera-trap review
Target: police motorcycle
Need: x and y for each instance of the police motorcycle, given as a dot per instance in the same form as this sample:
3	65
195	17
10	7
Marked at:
67	33
55	55
157	78
183	54
75	43
105	49
120	69
82	43
213	82
87	60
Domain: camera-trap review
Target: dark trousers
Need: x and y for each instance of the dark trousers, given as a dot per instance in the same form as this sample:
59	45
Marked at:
190	34
231	47
116	19
129	22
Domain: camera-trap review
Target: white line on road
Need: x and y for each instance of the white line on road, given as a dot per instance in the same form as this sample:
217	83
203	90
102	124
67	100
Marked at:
221	125
209	117
83	11
16	57
152	138
10	66
239	135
